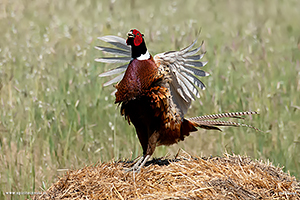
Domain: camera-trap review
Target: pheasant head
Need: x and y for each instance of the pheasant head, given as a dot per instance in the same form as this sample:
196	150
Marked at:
138	46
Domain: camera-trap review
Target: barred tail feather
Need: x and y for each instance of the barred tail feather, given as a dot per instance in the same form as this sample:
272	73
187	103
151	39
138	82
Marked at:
223	115
209	122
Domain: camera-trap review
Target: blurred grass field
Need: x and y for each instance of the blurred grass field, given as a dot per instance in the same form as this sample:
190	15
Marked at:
55	115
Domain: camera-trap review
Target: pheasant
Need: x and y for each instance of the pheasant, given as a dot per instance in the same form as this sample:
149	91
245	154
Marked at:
156	92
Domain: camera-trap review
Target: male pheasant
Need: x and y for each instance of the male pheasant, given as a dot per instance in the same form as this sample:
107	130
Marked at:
156	92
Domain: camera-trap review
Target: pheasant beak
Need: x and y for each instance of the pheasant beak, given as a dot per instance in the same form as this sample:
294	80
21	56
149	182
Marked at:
130	34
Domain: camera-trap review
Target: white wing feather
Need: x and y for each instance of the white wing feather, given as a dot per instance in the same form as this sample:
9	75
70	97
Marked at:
123	50
182	66
116	41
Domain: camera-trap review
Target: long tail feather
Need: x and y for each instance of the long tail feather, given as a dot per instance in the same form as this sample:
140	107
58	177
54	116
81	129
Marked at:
209	122
223	115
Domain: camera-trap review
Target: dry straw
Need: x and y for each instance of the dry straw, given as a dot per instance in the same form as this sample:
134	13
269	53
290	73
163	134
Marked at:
185	177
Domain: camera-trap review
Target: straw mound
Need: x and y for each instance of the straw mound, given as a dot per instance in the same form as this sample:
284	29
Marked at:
185	177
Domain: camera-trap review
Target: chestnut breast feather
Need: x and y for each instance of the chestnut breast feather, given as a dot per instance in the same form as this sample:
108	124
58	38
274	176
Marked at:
138	77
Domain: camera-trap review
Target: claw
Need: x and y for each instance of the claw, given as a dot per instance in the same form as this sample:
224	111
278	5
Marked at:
139	164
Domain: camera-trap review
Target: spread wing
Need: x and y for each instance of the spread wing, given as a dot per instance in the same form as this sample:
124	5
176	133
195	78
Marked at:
122	50
182	67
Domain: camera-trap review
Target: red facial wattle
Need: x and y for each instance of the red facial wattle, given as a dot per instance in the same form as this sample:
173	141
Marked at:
137	37
137	40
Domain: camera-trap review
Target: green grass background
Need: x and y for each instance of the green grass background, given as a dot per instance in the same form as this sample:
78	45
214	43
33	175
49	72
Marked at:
55	115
